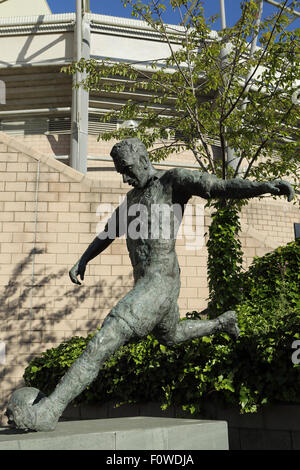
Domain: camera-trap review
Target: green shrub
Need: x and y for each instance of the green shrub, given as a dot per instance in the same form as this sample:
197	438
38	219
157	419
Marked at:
225	257
254	370
272	281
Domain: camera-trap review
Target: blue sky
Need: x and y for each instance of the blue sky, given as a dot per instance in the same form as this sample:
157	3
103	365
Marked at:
115	8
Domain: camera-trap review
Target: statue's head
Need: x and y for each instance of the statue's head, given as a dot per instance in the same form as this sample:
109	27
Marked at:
131	159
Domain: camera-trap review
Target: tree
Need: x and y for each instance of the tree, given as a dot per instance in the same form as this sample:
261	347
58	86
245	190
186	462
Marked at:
213	87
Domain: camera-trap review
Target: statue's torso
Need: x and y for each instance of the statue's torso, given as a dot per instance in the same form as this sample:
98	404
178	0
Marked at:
153	219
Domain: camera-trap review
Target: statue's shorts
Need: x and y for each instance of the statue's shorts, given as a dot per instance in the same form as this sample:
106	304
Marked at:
151	306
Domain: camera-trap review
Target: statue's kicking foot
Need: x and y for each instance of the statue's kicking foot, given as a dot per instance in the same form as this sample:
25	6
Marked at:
229	324
30	410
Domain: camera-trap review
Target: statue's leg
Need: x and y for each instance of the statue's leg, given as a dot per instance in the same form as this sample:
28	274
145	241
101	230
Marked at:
44	415
135	315
112	335
172	331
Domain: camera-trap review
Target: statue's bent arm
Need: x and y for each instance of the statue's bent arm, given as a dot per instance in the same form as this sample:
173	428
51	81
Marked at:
114	228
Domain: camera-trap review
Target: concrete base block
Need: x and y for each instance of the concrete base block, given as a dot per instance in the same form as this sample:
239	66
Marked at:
131	433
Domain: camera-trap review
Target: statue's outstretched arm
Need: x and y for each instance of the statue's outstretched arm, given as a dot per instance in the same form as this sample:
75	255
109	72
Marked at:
210	187
238	188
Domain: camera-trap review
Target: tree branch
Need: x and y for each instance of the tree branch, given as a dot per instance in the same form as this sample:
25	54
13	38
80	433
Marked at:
264	142
245	87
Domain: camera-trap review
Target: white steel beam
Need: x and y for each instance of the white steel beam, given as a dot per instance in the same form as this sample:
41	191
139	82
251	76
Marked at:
80	97
279	5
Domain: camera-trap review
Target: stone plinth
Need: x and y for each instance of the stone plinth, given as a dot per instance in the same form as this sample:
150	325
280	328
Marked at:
132	433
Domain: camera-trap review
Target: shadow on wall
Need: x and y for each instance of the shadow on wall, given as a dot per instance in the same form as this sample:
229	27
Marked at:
27	330
60	144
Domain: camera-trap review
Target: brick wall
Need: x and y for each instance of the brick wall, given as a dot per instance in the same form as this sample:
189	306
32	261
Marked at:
47	219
